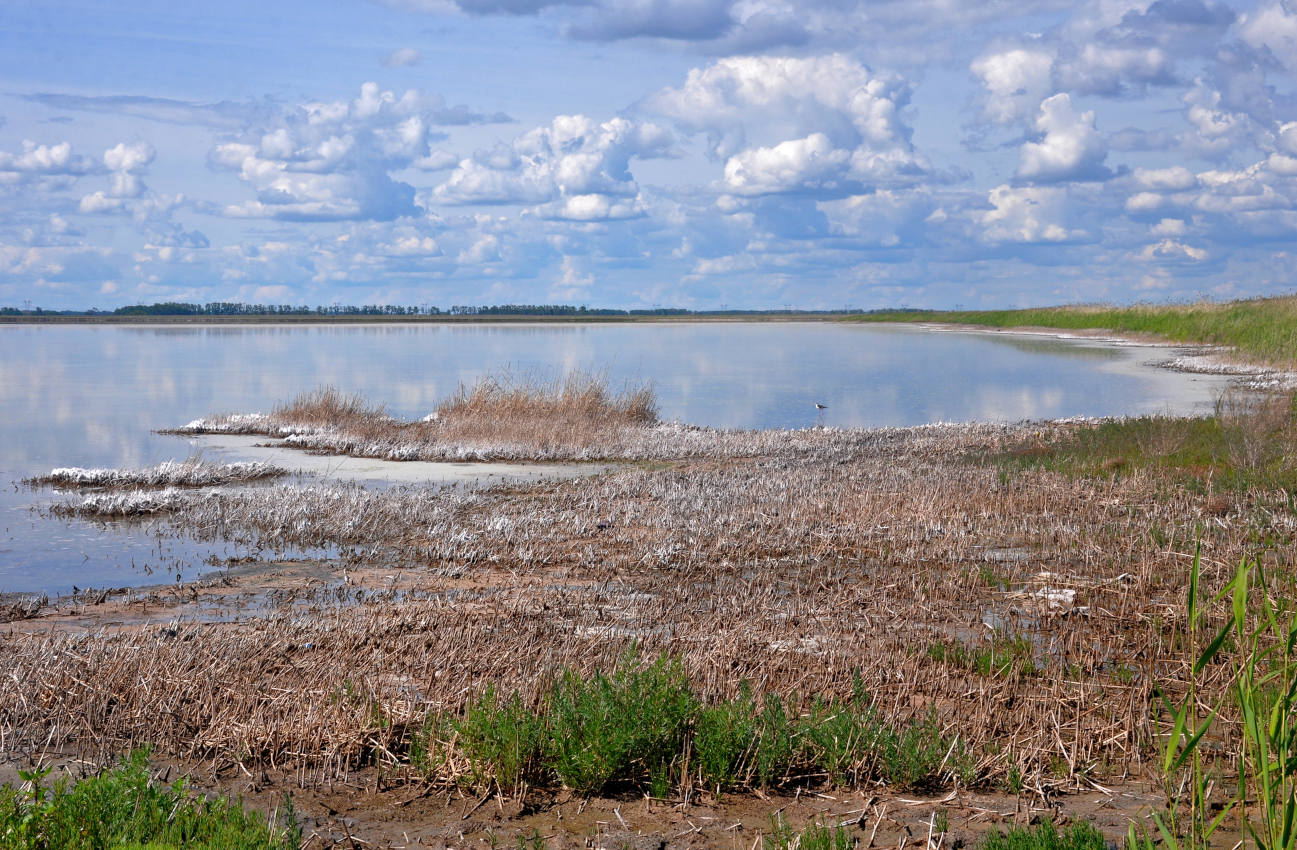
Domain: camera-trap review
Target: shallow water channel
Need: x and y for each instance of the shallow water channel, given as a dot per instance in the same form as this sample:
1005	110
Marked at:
93	395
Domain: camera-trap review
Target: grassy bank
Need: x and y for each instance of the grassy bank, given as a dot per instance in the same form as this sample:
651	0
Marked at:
1248	445
1262	330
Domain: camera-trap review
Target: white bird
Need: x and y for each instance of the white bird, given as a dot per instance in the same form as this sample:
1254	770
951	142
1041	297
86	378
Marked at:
819	406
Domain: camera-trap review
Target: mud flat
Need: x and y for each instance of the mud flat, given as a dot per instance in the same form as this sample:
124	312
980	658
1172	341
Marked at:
971	621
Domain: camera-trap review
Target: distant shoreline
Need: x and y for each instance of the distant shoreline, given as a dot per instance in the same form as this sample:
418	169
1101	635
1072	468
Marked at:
441	319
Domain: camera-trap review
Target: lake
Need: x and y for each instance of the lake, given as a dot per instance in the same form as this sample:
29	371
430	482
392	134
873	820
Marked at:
91	395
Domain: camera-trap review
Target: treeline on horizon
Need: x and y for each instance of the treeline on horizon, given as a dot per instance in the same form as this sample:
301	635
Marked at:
234	308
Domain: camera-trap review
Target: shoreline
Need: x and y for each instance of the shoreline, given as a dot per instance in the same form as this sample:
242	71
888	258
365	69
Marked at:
1201	358
942	571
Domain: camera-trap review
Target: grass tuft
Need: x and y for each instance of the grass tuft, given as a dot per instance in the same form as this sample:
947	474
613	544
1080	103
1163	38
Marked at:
628	726
328	407
1045	836
814	836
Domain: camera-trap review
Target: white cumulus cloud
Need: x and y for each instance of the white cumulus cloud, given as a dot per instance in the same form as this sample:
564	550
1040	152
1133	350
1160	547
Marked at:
823	124
578	166
1026	214
1016	80
331	160
1071	148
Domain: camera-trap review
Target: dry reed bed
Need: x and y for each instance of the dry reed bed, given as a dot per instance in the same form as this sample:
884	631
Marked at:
193	472
794	572
577	420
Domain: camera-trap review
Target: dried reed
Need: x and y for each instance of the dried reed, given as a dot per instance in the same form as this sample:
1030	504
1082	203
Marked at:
806	564
193	472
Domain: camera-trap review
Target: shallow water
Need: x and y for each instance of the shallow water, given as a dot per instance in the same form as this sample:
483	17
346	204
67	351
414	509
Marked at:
92	395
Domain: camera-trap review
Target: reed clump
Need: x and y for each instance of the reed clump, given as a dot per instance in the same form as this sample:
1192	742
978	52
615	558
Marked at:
329	406
576	417
578	409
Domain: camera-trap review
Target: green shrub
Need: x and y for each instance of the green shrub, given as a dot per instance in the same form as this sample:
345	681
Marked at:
841	738
724	740
815	836
123	807
629	726
502	740
775	749
914	756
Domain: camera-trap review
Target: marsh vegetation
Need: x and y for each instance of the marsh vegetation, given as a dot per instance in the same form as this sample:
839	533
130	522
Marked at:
986	606
1259	329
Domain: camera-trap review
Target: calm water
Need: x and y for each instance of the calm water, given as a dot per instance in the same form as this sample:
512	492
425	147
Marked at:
91	395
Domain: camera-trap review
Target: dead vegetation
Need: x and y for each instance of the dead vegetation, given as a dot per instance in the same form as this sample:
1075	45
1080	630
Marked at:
577	417
192	472
807	564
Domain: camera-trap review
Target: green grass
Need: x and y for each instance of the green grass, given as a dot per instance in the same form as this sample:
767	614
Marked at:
502	739
814	836
629	726
644	727
1262	328
1045	836
1245	444
125	808
1004	655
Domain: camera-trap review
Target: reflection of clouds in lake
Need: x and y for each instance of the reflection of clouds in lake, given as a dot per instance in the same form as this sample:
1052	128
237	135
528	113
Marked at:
91	395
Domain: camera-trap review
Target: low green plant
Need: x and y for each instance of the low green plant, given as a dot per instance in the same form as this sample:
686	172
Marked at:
430	750
1003	655
814	836
842	738
630	725
725	737
915	755
775	746
124	807
1014	781
1045	836
643	725
502	739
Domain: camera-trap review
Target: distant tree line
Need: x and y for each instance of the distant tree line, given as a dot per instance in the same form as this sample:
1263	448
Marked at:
236	308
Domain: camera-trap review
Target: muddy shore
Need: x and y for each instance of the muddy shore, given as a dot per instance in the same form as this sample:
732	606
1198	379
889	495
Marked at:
805	563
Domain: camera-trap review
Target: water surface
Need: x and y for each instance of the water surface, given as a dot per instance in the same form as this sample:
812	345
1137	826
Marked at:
91	395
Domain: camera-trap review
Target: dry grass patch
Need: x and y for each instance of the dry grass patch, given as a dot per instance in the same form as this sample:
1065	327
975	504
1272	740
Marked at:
577	417
578	409
807	574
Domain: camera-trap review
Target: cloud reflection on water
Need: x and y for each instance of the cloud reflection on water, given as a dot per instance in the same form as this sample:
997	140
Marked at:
92	395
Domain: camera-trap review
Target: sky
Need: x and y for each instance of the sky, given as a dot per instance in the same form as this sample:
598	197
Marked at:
821	154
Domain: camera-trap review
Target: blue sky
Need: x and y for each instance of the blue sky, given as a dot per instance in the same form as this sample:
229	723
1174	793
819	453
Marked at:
695	153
